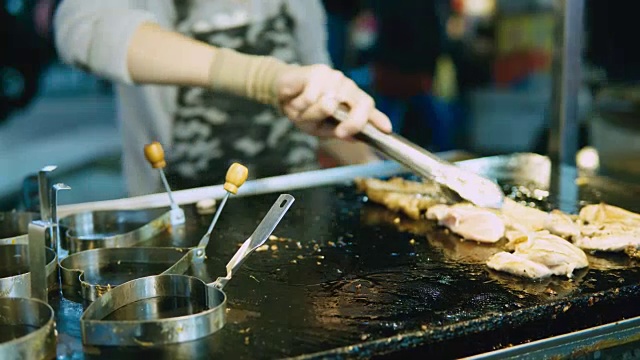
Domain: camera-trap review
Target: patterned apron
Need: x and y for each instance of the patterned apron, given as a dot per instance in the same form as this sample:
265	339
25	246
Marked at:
212	130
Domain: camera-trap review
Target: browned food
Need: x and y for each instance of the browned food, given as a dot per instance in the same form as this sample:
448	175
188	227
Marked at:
608	214
536	253
599	227
409	197
632	251
415	198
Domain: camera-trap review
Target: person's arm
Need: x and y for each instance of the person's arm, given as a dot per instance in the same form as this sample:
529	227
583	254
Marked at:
159	56
95	35
115	40
143	52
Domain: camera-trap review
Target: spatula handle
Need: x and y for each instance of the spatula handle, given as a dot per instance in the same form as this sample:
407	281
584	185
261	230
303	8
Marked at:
258	238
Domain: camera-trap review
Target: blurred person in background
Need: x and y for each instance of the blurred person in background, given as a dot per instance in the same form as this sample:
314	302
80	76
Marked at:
178	84
340	15
410	39
26	50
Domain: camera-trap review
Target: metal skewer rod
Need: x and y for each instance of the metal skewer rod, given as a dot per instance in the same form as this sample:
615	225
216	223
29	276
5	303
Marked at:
236	176
155	156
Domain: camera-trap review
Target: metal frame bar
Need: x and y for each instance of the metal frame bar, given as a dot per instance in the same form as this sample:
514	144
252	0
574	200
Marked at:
289	182
563	134
569	345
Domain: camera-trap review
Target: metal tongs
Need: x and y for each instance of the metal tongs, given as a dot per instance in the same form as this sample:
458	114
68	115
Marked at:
456	182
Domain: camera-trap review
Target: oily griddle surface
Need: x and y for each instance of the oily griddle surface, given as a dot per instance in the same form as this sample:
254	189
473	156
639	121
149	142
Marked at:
348	277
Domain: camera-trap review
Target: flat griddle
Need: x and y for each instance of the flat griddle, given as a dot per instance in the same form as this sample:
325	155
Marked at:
346	279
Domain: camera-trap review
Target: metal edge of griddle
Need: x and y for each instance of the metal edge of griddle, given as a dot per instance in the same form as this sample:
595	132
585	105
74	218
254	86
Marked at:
573	344
415	339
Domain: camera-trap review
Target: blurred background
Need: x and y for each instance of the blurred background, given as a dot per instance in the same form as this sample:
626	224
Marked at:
473	75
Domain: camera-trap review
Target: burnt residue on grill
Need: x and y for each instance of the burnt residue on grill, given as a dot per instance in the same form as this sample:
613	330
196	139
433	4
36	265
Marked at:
347	278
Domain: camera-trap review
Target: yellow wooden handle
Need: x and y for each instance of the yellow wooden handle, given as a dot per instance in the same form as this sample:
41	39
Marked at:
236	176
155	155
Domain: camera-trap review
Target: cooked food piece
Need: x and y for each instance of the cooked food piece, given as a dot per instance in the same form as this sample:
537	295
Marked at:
556	253
561	224
608	228
468	221
520	220
411	205
514	220
518	265
552	252
598	227
513	236
632	251
524	216
611	242
608	214
454	248
472	223
409	197
398	185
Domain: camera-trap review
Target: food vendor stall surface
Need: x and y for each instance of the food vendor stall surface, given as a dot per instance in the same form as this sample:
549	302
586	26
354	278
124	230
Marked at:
343	277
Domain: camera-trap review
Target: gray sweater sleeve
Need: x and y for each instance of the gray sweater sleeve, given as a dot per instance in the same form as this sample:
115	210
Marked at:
311	31
95	35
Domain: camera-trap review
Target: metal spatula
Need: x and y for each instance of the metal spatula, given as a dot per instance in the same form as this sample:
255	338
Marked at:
456	182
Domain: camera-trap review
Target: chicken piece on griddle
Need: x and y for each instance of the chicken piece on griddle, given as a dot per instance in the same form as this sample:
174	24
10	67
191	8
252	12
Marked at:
561	224
409	197
523	217
602	214
609	242
397	185
632	252
608	228
556	254
513	221
468	221
518	265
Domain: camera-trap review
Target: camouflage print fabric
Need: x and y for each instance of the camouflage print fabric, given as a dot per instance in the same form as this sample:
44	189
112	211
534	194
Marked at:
212	130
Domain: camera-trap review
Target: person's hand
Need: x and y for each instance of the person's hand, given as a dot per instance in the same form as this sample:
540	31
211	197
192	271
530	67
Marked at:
308	95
